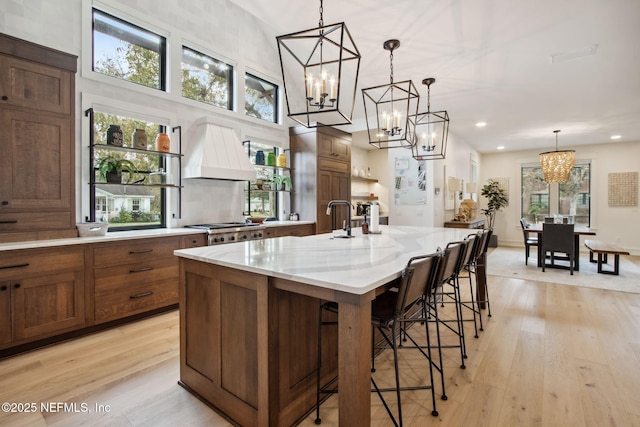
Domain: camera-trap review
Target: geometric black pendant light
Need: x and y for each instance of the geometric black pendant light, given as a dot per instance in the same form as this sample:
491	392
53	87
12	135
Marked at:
320	73
432	130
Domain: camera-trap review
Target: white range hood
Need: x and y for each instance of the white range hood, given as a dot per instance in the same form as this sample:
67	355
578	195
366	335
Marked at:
216	152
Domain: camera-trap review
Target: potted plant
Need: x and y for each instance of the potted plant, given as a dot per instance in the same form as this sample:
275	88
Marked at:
281	181
111	168
496	200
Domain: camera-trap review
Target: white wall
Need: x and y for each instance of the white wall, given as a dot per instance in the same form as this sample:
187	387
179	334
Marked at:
614	224
217	26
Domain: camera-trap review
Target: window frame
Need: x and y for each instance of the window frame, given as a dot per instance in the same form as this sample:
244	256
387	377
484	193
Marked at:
231	79
162	47
276	97
582	195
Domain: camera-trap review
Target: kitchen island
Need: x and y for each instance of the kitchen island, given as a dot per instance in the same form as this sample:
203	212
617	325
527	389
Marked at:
249	311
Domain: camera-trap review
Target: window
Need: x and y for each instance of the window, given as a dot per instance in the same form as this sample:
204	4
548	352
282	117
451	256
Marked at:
261	197
574	195
535	194
128	207
261	98
101	204
128	52
206	79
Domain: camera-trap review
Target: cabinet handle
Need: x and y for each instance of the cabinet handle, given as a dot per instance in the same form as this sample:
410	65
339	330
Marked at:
142	295
9	221
5	203
16	286
141	269
14	266
143	251
3	288
5	97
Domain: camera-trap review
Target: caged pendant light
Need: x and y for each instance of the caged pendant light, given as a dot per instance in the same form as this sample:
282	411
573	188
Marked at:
432	130
387	109
320	73
556	165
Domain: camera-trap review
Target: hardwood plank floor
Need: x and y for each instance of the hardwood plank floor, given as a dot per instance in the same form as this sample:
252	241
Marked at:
550	355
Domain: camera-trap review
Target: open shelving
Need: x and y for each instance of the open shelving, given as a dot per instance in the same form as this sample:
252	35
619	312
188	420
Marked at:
162	156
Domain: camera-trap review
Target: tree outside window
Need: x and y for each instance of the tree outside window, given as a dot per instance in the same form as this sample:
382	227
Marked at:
128	52
574	195
535	194
260	98
206	79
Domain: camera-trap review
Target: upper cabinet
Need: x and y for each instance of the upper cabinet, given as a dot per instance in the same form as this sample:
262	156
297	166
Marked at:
37	148
35	86
335	147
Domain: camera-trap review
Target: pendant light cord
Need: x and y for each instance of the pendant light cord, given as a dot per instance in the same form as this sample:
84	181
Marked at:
321	22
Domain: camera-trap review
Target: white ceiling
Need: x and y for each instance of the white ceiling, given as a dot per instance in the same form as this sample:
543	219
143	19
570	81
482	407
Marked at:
492	62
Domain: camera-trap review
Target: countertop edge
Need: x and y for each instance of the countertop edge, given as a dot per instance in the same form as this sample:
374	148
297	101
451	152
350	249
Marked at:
109	237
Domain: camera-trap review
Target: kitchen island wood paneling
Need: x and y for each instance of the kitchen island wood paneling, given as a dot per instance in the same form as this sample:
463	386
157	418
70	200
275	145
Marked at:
249	310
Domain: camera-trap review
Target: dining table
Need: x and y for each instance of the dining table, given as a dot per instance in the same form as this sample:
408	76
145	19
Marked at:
578	230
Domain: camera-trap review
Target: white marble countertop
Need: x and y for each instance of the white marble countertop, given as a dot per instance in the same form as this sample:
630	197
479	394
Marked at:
355	265
109	237
124	235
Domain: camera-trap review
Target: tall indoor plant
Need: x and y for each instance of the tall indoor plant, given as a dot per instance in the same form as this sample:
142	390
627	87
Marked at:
496	200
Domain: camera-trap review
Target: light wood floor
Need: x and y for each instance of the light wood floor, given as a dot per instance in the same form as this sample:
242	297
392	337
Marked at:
551	355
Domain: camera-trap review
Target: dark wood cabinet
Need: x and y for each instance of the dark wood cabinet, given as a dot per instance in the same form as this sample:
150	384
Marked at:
322	165
37	149
41	294
134	276
289	230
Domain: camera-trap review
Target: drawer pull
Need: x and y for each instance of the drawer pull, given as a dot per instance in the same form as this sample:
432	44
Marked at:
142	295
3	288
10	221
14	266
143	251
139	270
17	286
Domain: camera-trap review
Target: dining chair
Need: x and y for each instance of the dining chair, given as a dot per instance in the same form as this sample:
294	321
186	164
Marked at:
528	240
392	315
558	238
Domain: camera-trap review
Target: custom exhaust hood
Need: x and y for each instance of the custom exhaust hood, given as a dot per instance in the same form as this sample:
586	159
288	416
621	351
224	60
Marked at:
216	153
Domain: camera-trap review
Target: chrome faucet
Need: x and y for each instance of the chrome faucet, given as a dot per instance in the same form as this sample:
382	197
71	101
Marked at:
333	203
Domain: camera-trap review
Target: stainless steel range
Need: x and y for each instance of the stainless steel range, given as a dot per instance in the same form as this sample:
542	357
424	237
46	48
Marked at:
230	232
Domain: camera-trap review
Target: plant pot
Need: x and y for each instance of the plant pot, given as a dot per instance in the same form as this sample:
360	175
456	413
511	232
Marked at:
113	178
493	241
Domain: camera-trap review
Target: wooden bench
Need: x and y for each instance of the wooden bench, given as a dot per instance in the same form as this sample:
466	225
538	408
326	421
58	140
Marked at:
603	249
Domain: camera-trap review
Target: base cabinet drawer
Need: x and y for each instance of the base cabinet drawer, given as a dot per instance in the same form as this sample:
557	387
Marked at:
134	251
135	299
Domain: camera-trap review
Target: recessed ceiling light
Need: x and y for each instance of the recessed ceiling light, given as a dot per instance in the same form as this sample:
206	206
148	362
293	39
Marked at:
616	136
481	124
500	147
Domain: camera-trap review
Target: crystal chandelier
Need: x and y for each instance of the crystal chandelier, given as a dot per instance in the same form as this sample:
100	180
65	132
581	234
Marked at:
556	165
387	109
319	72
432	130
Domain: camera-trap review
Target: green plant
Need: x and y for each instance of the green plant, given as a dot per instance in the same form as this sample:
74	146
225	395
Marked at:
280	181
496	200
115	165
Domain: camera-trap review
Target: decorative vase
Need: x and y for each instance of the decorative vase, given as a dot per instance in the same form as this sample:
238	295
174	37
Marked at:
163	143
271	159
282	161
114	135
139	139
260	157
